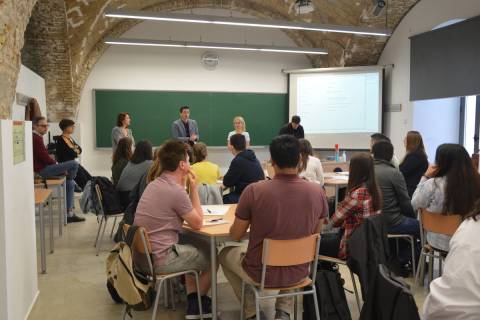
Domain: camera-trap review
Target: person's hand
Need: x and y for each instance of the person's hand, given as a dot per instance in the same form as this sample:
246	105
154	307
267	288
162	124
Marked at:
193	137
431	171
192	179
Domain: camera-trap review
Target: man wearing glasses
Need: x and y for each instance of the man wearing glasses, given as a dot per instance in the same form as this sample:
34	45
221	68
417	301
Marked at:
46	167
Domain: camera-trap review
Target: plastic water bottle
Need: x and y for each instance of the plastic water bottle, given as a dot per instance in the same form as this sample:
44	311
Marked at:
337	153
344	156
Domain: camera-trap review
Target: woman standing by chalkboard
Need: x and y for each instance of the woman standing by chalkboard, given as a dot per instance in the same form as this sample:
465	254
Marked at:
122	130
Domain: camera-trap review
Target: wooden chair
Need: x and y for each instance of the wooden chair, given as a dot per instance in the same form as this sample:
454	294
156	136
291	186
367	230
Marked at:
301	251
354	283
437	223
103	220
141	245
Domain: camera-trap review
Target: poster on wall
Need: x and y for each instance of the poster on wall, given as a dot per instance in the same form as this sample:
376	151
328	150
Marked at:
18	142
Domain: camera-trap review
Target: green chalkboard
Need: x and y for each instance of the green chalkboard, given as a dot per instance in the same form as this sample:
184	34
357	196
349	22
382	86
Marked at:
153	112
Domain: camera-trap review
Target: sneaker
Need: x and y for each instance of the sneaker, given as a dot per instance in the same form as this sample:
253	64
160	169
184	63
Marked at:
74	219
192	308
281	315
262	316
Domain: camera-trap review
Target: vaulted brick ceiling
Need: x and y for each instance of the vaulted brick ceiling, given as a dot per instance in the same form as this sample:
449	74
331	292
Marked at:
86	27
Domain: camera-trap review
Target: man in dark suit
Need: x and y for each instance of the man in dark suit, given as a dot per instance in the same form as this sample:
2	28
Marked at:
185	129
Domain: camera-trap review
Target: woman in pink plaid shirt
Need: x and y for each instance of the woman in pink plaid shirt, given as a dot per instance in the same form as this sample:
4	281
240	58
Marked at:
362	200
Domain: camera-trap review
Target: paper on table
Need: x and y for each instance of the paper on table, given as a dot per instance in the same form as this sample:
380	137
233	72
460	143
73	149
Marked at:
217	210
341	178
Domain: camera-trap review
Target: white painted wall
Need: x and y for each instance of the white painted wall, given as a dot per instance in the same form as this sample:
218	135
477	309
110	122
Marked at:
425	16
30	84
18	254
438	121
180	69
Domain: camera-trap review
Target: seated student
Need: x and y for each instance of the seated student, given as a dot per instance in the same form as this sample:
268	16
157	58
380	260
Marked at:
452	185
244	169
120	158
415	163
399	215
310	167
46	167
362	200
137	166
162	209
67	149
456	294
377	137
241	128
206	171
286	207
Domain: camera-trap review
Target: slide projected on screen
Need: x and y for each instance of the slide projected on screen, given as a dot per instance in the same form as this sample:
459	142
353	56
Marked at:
341	107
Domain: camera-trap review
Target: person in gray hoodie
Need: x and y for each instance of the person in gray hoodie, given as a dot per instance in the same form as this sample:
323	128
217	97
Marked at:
399	215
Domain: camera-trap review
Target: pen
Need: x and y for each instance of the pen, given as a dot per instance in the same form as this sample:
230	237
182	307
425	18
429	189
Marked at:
215	220
208	210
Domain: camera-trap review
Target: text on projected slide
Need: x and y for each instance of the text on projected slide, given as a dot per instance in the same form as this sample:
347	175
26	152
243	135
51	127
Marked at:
339	103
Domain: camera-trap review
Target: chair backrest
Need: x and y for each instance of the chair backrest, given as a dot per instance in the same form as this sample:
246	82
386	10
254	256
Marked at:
141	244
440	223
285	253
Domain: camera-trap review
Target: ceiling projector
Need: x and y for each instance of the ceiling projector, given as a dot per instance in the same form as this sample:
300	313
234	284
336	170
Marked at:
304	6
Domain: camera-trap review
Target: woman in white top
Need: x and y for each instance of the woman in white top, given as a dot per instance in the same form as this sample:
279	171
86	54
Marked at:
456	294
310	167
240	127
450	186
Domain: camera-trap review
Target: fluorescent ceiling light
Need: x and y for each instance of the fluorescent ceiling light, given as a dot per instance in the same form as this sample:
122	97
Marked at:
278	24
212	45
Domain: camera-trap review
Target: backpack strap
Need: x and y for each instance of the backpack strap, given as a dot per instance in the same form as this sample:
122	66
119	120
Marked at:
130	235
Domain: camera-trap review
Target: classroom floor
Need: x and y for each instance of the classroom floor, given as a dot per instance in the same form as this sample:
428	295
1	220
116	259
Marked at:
74	286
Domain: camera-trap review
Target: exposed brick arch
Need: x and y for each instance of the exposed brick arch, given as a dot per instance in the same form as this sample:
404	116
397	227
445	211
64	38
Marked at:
66	61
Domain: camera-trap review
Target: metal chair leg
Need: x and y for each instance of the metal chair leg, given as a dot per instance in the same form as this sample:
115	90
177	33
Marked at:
295	307
440	266
157	299
99	244
430	271
315	302
412	243
98	232
420	269
242	302
113	227
355	290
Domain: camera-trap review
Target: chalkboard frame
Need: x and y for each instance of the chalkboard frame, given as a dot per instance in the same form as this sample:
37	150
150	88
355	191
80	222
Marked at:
259	146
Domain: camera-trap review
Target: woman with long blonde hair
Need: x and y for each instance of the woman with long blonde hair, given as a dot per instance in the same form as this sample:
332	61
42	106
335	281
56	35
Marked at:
415	162
241	128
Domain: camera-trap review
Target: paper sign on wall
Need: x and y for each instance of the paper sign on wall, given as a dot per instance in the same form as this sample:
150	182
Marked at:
18	142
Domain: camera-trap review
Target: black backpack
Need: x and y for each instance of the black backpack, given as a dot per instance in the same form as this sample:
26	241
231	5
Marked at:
110	198
331	297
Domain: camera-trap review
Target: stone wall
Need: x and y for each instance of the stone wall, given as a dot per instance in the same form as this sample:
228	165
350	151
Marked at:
14	16
47	53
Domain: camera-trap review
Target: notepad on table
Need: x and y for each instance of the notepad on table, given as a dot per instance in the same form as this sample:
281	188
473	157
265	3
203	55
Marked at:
218	210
